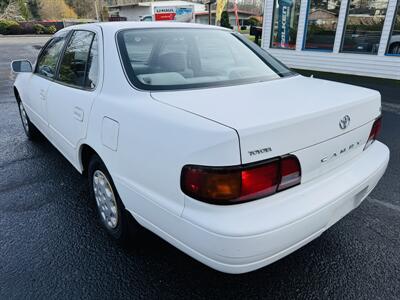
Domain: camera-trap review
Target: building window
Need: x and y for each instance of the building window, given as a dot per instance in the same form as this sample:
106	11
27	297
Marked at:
364	26
285	22
321	24
394	41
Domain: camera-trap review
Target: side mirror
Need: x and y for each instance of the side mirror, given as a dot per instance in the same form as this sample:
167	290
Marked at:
19	66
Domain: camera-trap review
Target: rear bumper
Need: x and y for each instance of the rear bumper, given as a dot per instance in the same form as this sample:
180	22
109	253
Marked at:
246	237
242	238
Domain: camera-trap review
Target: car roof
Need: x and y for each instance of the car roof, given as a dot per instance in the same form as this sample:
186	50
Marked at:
116	26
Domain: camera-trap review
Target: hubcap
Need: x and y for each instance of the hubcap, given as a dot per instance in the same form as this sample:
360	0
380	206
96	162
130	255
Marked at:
24	117
105	199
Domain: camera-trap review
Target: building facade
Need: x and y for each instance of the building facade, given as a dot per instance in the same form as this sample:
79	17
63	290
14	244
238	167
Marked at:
359	37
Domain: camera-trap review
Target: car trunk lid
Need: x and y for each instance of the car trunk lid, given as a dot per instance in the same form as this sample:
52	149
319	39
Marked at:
285	115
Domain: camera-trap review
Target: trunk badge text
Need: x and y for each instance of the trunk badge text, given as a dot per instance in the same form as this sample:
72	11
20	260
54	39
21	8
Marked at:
344	122
341	151
260	151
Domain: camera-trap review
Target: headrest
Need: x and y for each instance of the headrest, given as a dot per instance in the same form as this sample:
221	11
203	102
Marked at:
172	62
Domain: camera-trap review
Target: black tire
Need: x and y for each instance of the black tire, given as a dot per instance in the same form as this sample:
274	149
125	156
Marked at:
30	130
126	229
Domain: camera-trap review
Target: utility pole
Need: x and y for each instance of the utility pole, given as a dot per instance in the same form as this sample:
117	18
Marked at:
97	11
103	11
101	4
209	3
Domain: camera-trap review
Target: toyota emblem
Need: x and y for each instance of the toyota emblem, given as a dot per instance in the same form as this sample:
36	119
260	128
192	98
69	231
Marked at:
344	122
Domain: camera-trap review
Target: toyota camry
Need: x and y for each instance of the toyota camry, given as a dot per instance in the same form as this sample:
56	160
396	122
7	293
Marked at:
202	137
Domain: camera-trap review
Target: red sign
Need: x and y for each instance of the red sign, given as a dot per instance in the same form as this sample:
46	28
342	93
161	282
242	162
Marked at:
165	16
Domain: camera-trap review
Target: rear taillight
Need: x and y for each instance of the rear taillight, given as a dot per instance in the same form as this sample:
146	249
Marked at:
290	172
238	184
376	129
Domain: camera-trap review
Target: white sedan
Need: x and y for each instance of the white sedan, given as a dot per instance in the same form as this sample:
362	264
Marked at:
202	137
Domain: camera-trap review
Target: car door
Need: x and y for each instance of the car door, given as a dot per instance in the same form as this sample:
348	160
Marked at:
70	96
40	80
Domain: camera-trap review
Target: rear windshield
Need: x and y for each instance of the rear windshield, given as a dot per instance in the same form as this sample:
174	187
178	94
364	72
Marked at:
171	58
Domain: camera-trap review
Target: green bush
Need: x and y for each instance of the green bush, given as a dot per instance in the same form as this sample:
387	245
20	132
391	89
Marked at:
50	29
254	22
225	20
8	26
39	28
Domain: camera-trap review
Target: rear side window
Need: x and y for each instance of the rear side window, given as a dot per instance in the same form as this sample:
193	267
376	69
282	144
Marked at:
47	61
79	63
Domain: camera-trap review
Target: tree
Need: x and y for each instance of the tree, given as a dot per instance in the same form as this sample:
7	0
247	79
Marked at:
24	9
15	10
33	7
12	11
225	20
55	9
83	8
254	21
104	14
3	5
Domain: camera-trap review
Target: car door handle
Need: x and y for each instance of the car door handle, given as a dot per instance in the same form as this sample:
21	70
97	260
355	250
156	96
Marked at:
78	113
42	94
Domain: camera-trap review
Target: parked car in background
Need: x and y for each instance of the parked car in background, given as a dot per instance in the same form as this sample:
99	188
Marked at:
202	137
369	43
146	18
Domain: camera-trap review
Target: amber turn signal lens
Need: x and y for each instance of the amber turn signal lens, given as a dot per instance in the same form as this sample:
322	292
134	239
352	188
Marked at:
211	184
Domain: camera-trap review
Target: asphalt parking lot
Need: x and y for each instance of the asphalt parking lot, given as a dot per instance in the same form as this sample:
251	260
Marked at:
52	246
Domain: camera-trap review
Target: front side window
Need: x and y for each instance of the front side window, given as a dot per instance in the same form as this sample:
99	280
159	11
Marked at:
364	26
322	20
394	41
77	62
285	22
188	58
47	62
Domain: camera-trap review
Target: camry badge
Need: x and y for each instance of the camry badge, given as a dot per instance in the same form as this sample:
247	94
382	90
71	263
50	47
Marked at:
344	122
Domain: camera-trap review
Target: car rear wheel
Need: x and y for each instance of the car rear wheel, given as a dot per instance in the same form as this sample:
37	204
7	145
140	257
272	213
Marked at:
30	130
117	221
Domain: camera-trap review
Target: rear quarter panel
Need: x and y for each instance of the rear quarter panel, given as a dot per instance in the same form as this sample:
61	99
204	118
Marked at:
154	142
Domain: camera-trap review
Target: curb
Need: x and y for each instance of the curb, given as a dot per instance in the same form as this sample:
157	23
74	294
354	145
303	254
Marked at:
24	35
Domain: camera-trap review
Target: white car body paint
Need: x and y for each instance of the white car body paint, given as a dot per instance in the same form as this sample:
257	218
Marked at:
109	133
149	136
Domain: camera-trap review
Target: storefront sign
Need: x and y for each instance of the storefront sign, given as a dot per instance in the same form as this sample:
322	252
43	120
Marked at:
284	16
174	13
164	13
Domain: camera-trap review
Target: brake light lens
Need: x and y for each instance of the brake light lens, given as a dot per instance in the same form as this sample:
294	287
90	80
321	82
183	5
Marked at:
259	181
376	129
290	172
239	184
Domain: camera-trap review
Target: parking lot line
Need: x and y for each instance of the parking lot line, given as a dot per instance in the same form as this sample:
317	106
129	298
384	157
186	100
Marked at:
391	107
385	204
